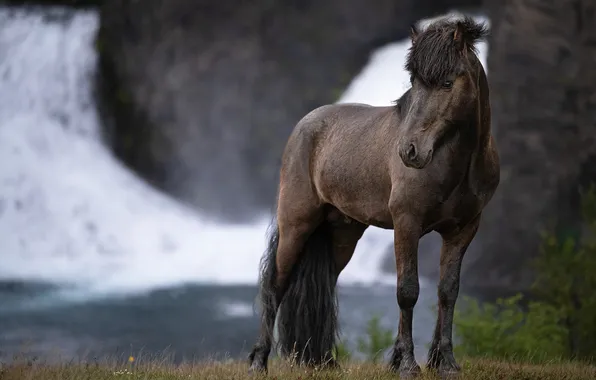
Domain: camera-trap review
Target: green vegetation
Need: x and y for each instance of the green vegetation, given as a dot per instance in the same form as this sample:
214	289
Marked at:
558	319
377	342
372	346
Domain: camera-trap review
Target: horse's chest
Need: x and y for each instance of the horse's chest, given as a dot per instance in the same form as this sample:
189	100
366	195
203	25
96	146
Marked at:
453	213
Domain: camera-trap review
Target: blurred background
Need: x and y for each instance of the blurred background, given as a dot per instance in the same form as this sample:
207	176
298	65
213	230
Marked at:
140	144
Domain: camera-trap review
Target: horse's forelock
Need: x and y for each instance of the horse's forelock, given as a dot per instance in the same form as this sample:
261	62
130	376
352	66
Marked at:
434	54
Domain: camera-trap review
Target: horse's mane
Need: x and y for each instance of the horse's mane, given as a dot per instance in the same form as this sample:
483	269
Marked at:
435	54
401	104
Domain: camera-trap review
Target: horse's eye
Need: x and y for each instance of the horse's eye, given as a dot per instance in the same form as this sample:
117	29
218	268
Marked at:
447	84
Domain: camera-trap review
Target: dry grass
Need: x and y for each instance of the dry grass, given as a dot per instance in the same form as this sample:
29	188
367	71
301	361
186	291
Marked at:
475	369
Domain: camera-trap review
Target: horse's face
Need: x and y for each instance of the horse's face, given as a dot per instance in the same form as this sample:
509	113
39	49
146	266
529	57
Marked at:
431	112
444	77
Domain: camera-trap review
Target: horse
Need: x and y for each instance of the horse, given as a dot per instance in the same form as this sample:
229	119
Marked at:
426	163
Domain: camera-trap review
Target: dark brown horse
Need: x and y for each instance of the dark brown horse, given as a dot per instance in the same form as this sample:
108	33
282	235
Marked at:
429	163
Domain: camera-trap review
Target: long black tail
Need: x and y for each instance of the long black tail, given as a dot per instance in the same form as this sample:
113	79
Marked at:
308	311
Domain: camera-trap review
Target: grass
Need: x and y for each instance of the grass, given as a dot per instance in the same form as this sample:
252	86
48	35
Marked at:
472	369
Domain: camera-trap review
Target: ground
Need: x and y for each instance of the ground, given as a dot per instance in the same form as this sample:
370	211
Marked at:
158	370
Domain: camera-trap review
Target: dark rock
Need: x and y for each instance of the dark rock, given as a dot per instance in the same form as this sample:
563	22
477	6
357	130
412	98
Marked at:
68	3
200	96
542	78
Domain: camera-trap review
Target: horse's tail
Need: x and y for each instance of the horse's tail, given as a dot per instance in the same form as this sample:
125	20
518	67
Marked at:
267	284
307	321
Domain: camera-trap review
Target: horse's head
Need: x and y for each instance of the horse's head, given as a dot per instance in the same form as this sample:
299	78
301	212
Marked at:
444	73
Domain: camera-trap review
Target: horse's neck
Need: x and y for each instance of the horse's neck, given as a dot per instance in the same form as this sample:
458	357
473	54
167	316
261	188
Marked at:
453	159
459	147
483	176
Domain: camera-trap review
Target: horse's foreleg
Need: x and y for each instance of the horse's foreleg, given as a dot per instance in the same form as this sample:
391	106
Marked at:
454	247
406	236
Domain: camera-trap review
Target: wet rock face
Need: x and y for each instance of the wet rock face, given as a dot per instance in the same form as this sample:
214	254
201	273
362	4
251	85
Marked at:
200	96
542	81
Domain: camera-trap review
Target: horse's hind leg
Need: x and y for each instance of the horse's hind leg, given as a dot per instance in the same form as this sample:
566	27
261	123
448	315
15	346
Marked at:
346	234
298	215
440	355
296	222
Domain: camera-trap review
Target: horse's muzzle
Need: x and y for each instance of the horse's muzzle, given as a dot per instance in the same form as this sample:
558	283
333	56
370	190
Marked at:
412	157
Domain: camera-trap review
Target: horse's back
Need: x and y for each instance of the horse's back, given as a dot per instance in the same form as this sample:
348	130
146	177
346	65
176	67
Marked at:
330	111
346	127
338	154
341	116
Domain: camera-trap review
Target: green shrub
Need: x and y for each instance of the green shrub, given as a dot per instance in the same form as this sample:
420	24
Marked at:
377	341
560	319
372	346
505	330
342	353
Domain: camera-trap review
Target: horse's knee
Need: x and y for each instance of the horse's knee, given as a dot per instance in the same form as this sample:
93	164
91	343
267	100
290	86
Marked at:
408	290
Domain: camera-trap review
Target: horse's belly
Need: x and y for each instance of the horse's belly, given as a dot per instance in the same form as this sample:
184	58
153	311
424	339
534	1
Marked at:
358	191
367	211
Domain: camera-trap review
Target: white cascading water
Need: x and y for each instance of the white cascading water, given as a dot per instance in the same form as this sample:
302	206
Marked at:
71	214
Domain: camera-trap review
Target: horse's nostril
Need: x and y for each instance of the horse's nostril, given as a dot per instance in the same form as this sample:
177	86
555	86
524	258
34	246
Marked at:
411	153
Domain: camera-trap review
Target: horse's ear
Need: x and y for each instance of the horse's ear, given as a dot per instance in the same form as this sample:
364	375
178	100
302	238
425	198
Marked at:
458	35
413	33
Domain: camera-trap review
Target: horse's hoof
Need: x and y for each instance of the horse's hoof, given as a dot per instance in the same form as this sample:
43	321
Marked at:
434	359
331	364
433	363
409	370
448	369
408	374
256	368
